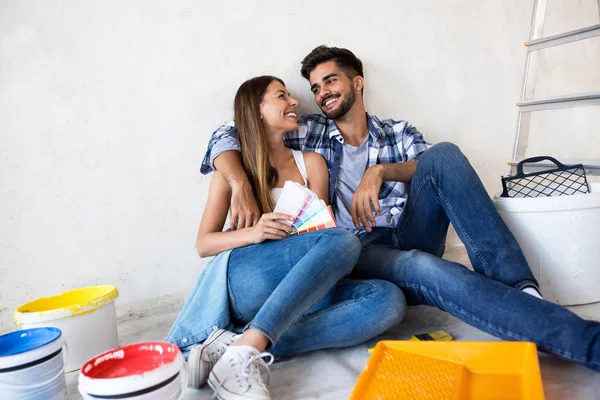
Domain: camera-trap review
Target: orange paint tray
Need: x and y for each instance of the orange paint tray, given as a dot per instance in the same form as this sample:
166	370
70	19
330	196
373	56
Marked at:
451	370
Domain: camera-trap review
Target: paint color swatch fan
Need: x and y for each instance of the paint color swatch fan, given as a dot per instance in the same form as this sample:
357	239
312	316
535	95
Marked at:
311	213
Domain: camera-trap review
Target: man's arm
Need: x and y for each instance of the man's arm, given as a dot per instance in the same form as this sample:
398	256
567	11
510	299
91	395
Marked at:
400	172
366	197
244	210
222	140
225	139
367	192
223	154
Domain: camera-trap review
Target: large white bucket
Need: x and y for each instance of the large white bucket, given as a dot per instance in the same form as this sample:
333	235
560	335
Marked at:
141	371
559	237
87	318
32	365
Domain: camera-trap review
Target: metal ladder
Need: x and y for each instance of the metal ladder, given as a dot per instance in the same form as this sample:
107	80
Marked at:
528	103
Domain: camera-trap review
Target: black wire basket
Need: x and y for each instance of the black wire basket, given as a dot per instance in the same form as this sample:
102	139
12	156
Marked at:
565	180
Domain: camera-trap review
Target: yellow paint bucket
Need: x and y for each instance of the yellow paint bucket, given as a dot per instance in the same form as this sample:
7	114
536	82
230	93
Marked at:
86	316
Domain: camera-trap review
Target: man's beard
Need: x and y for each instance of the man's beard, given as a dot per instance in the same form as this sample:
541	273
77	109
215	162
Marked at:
343	108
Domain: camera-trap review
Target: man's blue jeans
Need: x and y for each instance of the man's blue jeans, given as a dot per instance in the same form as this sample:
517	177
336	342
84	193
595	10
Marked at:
292	291
444	189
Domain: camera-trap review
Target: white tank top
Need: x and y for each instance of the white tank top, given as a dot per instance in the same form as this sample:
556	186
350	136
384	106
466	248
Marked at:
299	159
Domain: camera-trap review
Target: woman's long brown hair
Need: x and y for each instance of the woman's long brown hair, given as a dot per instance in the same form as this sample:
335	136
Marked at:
253	139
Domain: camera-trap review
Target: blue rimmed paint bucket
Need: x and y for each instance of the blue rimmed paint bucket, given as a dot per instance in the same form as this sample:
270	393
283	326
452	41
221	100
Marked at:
32	365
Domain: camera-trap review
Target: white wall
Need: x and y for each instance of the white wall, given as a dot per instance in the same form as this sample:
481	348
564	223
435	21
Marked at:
106	109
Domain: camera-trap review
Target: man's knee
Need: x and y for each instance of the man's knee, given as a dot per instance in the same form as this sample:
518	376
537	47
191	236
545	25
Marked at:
446	146
444	158
444	152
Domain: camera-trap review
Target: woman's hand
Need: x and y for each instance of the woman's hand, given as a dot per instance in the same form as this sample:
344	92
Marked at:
271	226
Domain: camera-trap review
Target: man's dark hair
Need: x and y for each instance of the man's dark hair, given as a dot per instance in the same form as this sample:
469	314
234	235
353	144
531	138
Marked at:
344	59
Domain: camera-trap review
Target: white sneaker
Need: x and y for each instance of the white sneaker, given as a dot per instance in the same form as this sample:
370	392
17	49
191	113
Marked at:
236	376
203	357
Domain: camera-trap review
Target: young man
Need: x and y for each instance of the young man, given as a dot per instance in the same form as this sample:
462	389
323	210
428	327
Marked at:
399	194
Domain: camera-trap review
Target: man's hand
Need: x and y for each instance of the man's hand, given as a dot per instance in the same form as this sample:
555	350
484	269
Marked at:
366	197
244	211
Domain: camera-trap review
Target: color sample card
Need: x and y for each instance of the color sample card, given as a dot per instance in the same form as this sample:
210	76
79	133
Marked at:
310	212
293	200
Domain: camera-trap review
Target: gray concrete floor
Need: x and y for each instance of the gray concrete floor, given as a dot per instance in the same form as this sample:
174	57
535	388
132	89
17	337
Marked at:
332	374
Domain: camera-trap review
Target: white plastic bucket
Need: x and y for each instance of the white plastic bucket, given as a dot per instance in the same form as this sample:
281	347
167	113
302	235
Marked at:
559	237
32	365
141	371
87	318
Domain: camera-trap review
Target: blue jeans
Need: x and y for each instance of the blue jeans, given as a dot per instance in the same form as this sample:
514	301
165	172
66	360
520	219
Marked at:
292	291
444	189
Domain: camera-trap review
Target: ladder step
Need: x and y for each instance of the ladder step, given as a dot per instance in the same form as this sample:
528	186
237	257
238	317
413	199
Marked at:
566	101
591	165
562	38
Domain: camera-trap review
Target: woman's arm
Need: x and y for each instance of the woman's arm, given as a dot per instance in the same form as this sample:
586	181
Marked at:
318	175
211	241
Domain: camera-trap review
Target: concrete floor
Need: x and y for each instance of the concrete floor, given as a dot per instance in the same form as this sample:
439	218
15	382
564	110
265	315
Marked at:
332	374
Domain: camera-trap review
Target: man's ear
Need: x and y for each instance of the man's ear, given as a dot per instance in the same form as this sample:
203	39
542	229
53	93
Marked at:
358	82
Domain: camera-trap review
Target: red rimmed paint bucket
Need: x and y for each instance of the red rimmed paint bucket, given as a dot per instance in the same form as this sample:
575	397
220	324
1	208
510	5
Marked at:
141	371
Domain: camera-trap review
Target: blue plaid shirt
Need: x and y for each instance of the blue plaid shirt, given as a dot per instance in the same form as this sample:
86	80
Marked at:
390	142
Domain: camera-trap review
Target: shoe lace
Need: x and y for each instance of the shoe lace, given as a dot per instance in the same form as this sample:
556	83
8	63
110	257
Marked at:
247	370
219	348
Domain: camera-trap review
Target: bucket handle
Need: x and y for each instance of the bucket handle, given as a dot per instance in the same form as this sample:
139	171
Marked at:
47	381
538	159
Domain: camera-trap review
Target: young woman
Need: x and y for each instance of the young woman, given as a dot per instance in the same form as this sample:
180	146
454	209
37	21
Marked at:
287	292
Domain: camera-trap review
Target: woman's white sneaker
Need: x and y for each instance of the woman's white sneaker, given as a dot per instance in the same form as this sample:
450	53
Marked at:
237	375
203	357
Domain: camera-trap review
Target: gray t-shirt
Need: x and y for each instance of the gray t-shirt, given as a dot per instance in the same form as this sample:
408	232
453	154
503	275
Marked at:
352	168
